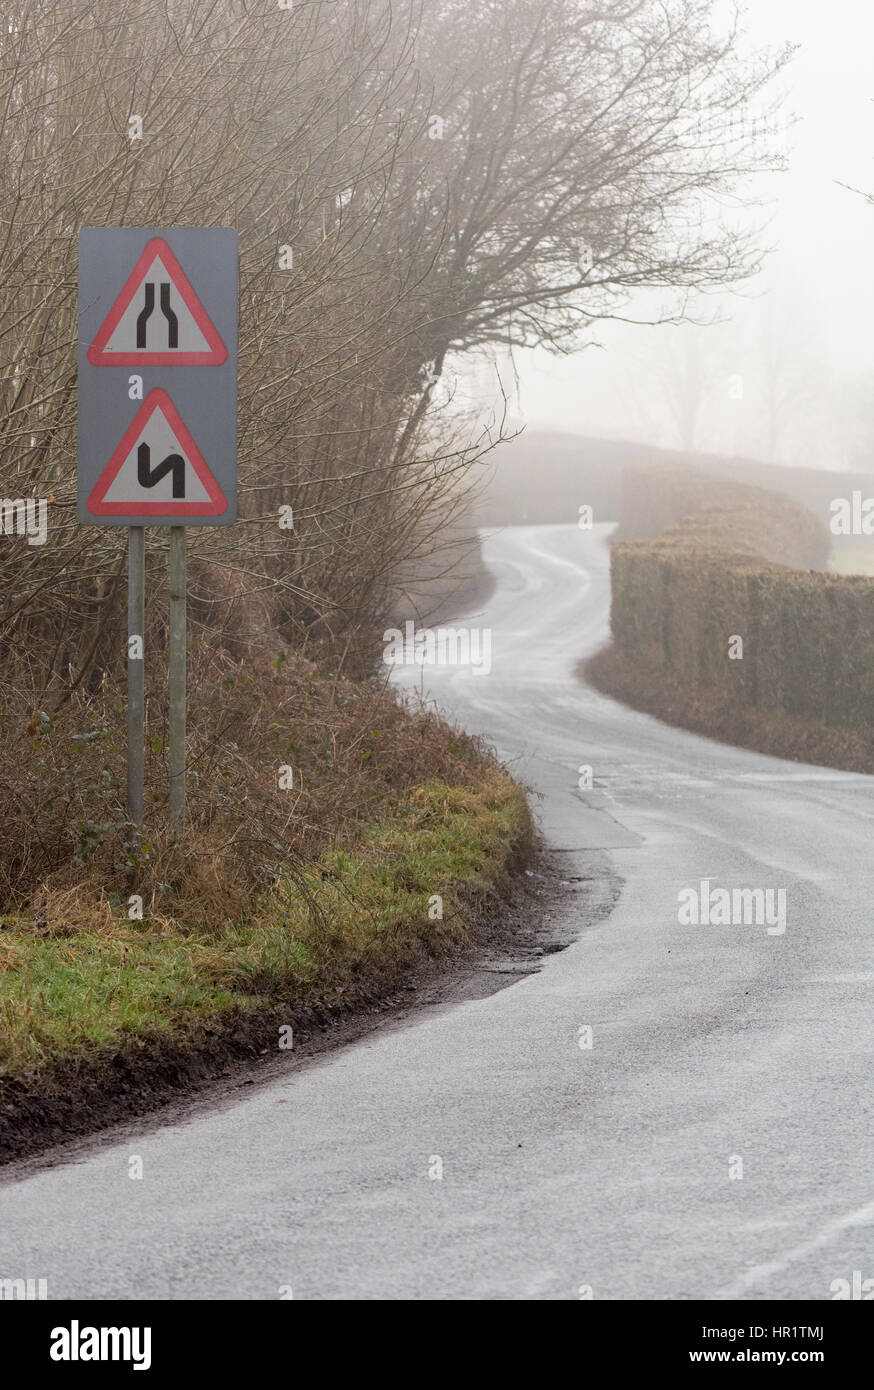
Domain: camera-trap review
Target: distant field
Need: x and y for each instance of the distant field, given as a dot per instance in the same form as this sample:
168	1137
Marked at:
853	555
545	476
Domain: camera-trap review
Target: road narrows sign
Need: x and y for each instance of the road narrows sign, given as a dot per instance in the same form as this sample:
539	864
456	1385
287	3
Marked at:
157	469
157	319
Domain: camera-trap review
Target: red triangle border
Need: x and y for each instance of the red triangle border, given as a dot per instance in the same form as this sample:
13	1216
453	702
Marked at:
155	400
99	357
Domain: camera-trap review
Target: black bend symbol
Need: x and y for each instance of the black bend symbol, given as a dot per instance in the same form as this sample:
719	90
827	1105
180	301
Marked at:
148	477
146	313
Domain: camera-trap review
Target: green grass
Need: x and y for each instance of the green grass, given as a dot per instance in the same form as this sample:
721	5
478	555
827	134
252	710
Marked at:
345	927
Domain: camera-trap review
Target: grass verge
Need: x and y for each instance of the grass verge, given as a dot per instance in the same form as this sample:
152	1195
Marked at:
104	1021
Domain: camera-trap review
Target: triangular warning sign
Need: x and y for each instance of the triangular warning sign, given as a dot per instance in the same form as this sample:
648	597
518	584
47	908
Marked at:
157	319
157	469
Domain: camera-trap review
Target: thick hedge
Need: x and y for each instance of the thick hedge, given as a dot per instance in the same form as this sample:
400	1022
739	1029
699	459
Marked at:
720	514
808	636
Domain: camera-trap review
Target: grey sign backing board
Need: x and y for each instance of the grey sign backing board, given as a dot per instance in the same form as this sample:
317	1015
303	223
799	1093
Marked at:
158	376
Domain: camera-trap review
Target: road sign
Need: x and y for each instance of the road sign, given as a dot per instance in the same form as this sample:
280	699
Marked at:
157	427
158	376
157	469
157	319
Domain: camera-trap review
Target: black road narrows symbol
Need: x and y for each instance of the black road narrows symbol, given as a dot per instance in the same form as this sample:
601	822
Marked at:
148	477
173	329
146	313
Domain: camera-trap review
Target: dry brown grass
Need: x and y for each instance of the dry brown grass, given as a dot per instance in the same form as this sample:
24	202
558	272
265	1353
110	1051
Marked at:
67	848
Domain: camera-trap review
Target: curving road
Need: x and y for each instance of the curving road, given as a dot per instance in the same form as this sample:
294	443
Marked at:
714	1049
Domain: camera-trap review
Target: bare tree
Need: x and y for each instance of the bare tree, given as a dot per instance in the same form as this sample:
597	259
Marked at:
407	180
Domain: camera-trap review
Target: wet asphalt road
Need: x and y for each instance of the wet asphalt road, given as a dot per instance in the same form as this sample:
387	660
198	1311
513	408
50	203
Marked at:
715	1049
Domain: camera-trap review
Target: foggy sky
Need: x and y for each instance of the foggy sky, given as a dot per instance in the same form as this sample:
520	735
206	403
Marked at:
819	276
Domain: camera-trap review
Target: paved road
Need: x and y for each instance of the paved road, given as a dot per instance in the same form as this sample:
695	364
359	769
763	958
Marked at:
563	1167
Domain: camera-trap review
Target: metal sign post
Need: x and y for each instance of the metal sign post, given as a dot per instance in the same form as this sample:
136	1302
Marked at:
177	676
136	670
157	427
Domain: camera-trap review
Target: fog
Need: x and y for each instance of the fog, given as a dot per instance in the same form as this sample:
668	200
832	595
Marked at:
787	374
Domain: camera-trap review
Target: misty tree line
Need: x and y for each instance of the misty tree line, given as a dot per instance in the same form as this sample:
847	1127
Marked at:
759	384
408	181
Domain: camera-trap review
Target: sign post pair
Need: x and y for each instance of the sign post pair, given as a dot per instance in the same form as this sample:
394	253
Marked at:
157	427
